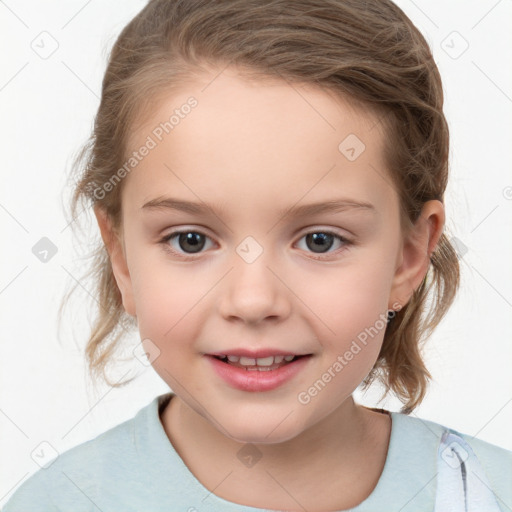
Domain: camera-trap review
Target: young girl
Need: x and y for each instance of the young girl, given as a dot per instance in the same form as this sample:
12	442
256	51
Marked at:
268	181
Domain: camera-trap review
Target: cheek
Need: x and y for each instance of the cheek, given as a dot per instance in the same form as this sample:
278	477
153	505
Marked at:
351	307
353	298
168	300
357	322
167	314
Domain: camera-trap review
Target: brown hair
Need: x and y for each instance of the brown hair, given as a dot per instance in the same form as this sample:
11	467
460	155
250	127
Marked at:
367	51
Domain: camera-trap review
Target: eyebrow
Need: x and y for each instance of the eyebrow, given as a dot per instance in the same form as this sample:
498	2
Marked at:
330	206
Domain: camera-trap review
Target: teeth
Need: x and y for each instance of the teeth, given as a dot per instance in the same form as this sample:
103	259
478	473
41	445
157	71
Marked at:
265	361
260	361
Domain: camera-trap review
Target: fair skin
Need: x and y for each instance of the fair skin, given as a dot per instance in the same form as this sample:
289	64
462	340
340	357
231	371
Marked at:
255	149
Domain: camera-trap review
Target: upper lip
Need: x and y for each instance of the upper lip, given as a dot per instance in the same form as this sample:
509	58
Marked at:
255	354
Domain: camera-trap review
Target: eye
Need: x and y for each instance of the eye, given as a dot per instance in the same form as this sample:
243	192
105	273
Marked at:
321	241
185	242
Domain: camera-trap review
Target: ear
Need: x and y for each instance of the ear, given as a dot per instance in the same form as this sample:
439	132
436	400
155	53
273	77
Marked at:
414	257
117	259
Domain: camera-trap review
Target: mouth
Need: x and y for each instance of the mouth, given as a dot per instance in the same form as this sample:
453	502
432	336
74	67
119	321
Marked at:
261	364
253	371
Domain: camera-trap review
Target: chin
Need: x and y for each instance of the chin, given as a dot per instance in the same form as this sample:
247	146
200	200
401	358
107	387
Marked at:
262	431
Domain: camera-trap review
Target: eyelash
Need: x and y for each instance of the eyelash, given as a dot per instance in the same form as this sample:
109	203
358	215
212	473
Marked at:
164	241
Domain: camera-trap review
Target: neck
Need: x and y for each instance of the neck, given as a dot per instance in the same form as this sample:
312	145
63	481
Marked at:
348	446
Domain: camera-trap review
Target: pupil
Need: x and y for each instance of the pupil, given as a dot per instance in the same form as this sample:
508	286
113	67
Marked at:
324	241
195	240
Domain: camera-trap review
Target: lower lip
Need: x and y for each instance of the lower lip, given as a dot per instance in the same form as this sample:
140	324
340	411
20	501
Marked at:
256	380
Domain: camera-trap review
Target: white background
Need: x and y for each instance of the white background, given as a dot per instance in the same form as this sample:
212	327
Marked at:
47	108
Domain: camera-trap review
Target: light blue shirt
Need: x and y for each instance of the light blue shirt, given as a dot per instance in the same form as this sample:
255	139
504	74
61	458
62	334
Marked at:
134	467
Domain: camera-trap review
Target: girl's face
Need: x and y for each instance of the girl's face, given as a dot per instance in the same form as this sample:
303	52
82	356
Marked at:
238	166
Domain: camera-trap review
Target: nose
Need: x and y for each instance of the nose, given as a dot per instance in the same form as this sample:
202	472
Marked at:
253	292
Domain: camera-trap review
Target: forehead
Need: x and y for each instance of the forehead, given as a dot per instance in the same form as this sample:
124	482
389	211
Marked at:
244	138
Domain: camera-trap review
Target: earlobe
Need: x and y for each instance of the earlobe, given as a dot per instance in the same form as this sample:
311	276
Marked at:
416	252
117	259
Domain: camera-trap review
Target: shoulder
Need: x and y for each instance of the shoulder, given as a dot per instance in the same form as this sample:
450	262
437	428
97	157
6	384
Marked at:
486	452
73	478
495	461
